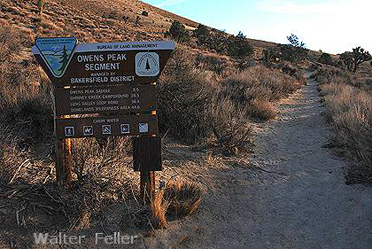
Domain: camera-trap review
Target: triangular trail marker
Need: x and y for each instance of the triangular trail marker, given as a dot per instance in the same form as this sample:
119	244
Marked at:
56	53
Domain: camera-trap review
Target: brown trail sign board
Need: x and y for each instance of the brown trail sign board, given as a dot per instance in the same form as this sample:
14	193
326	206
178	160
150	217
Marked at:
106	99
112	82
102	63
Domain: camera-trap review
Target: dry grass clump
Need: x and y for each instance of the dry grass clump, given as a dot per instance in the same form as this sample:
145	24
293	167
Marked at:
256	87
349	109
158	209
175	201
184	198
11	43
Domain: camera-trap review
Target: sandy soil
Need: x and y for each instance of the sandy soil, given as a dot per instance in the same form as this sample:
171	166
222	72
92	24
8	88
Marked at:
292	194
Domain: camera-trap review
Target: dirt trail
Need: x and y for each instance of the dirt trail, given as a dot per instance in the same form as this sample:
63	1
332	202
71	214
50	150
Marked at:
294	195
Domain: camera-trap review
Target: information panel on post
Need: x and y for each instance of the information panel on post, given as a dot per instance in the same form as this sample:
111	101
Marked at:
70	64
105	89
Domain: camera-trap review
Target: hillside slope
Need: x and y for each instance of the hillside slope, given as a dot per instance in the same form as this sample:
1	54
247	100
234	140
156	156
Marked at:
95	21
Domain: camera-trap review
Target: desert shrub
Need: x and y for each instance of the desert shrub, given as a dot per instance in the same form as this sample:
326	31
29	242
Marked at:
11	158
25	106
349	110
112	15
184	96
232	131
183	104
175	201
326	75
30	119
211	63
262	109
258	84
326	58
178	32
270	55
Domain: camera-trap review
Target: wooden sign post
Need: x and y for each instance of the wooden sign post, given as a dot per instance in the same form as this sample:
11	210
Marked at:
63	161
106	89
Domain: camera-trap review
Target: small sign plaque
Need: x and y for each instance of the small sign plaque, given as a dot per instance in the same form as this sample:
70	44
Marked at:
107	126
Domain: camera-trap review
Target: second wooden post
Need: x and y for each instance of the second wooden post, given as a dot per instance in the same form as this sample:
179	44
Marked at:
147	160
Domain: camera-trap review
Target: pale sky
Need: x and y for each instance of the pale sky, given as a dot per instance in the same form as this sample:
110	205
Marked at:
334	26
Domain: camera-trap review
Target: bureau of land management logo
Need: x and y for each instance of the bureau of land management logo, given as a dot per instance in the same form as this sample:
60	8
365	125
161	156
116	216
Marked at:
56	53
147	64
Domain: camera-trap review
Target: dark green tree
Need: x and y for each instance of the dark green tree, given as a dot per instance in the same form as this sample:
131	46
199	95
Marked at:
295	42
202	33
178	32
347	60
239	46
270	55
295	51
353	59
218	41
64	59
359	56
326	58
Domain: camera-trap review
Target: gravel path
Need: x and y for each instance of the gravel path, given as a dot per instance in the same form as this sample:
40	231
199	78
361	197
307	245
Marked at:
294	195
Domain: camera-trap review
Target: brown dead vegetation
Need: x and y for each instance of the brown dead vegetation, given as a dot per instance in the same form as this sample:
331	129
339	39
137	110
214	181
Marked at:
348	104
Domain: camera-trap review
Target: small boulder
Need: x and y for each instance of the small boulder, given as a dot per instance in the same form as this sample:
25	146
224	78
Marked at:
145	13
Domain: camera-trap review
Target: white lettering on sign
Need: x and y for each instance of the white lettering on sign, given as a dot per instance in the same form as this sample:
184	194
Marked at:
102	66
100	58
116	57
90	58
89	80
122	78
108	120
